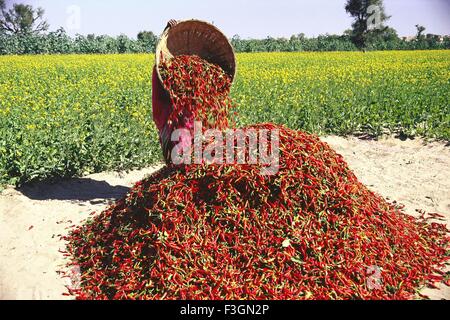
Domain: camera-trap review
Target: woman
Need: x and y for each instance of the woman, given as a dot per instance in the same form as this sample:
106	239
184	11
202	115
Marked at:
162	107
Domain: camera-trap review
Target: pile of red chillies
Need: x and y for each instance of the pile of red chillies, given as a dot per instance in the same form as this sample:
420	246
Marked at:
312	231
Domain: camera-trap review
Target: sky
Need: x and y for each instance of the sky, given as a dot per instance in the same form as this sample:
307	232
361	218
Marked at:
248	18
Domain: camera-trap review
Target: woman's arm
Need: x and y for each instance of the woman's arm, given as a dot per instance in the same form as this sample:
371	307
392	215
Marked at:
161	103
162	107
172	23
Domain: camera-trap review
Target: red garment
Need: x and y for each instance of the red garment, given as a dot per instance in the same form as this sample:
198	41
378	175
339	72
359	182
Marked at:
161	103
162	107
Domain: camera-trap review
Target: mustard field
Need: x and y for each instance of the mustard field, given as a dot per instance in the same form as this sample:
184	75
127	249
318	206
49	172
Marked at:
69	115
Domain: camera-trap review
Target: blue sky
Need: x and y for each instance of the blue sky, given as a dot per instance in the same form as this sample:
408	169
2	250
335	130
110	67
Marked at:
248	18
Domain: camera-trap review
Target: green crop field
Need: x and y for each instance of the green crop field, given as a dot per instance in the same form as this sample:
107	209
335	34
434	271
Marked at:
64	116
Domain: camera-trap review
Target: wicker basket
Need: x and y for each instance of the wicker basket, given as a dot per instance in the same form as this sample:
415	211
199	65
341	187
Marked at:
195	37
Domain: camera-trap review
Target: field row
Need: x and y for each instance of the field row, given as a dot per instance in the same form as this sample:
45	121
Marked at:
63	116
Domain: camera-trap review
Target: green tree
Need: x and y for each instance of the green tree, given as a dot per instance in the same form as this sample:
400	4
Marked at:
21	19
433	40
148	40
420	42
420	31
369	17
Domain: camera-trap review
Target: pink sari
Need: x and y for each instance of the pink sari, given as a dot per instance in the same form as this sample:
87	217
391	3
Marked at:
162	108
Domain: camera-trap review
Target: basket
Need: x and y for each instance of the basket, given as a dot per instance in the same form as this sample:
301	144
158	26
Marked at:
195	37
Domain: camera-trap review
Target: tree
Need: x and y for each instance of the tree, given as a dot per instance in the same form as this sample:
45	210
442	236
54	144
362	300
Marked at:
147	36
21	19
148	40
369	16
420	31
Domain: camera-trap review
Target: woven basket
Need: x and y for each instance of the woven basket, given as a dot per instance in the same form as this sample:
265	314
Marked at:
195	37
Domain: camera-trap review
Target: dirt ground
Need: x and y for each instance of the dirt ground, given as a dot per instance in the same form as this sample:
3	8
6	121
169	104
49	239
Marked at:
412	172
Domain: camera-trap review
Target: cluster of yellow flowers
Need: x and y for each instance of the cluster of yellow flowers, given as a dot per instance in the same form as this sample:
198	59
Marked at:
346	92
102	103
45	88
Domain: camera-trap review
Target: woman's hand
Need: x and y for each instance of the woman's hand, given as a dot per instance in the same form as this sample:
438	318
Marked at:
172	23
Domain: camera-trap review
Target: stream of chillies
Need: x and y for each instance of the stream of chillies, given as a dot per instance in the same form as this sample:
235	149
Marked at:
218	231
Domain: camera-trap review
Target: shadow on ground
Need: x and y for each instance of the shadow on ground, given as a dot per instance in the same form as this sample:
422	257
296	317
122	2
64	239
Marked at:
77	189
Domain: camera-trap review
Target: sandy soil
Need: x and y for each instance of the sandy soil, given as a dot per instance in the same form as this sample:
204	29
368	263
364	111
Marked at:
32	218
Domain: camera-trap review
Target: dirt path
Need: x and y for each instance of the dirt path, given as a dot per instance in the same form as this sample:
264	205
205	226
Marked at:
411	172
31	221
